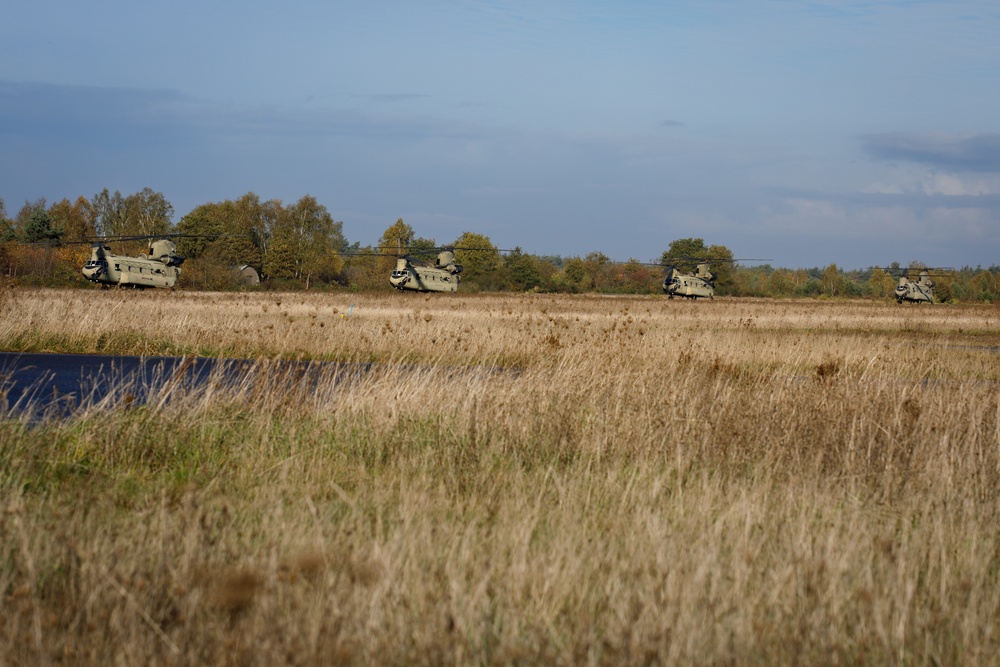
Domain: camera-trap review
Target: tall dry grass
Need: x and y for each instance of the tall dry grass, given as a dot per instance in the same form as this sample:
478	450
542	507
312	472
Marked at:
735	482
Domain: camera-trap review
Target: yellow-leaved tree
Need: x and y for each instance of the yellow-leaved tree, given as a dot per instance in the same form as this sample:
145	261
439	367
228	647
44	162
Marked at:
479	258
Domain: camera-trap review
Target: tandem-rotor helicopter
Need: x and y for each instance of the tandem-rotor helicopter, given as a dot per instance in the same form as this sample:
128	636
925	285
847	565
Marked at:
417	274
700	284
160	266
413	274
920	290
915	291
689	285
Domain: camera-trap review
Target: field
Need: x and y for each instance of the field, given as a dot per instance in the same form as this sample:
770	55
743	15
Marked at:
515	480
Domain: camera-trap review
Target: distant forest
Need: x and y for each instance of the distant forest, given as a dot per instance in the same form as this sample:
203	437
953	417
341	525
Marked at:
301	246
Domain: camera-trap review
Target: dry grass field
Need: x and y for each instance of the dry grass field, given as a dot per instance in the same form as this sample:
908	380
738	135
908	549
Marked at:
517	480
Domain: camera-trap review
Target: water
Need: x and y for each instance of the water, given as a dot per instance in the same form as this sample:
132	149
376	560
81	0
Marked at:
61	383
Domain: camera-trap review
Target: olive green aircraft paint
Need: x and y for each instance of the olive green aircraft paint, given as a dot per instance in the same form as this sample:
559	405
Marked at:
160	268
915	291
690	285
442	277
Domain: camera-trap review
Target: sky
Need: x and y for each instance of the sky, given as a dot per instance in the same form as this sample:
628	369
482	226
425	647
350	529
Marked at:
858	133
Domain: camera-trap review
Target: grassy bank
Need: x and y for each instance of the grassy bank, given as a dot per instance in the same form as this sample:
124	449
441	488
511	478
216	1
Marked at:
740	482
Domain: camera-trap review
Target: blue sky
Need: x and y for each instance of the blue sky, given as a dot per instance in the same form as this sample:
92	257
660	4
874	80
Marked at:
858	132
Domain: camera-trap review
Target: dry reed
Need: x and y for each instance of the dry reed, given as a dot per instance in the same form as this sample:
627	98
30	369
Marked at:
645	481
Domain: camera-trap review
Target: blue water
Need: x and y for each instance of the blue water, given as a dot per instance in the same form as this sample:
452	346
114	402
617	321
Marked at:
61	383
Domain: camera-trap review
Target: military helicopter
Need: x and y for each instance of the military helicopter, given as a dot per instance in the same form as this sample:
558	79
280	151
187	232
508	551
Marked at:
689	285
920	290
158	267
700	284
416	272
915	291
413	274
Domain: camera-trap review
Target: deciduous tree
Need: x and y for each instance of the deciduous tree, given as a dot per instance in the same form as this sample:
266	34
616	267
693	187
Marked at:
397	238
6	225
76	220
109	212
305	243
684	253
575	272
234	232
144	213
832	281
479	258
780	283
148	213
366	270
425	249
598	267
881	283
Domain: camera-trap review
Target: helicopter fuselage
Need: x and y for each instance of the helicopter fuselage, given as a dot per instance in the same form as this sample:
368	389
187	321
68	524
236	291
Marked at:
424	279
915	291
106	268
408	276
689	286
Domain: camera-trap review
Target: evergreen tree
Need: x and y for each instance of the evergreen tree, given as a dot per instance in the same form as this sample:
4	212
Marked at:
522	270
39	227
35	224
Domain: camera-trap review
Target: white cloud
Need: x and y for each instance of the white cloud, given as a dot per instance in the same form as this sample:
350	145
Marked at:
950	184
897	223
931	182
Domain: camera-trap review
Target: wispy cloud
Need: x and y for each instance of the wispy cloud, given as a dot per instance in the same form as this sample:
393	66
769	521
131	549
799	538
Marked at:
390	98
97	115
107	116
977	152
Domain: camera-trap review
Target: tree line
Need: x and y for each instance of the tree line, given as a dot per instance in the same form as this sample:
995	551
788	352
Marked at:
300	246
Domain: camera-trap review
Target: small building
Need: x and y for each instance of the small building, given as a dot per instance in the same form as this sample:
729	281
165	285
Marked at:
246	275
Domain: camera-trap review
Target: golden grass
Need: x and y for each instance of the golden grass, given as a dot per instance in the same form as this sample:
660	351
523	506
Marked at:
740	482
520	330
